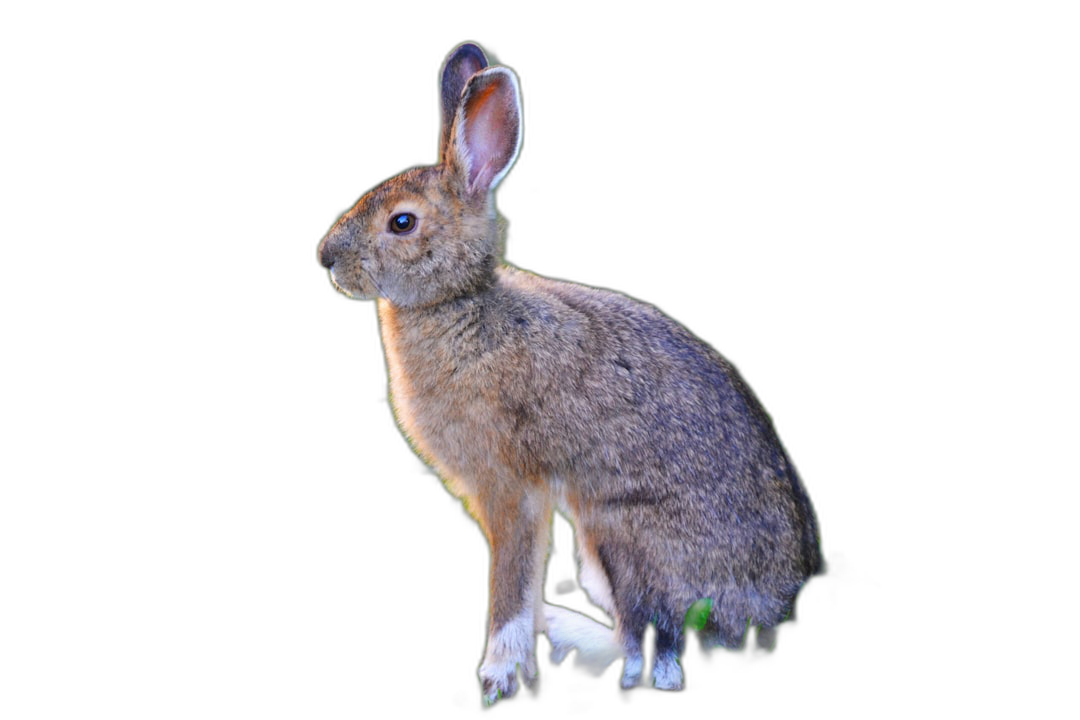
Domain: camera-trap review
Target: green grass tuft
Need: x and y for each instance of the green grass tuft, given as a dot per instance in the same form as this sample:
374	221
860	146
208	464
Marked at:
698	614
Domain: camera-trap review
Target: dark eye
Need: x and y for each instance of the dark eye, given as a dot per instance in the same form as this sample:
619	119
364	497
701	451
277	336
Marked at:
403	223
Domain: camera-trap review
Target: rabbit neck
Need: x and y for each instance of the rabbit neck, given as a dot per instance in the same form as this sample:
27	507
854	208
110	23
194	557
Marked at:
439	361
447	333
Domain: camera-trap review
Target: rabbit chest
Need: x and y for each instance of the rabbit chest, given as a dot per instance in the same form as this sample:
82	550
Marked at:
445	385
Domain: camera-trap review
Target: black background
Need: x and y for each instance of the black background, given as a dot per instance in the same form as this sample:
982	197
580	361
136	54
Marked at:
288	548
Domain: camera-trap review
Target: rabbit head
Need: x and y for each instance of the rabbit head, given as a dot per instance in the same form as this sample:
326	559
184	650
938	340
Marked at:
430	234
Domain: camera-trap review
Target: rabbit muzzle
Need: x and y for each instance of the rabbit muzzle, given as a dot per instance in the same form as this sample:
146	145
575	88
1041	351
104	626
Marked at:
326	256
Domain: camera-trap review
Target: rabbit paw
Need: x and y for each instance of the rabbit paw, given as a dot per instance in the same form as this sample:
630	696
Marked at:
499	680
666	673
512	648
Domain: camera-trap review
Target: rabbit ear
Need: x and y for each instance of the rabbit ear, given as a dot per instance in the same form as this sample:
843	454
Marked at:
465	61
487	129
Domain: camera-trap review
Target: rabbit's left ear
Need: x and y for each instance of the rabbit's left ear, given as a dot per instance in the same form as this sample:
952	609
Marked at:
487	129
461	64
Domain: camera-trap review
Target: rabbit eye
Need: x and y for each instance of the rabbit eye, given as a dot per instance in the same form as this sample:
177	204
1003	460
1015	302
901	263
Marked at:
403	223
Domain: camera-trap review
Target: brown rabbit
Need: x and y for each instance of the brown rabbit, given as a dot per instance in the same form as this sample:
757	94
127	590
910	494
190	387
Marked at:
528	394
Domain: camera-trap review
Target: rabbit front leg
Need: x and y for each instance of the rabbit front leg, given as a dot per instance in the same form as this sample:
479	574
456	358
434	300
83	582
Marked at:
518	527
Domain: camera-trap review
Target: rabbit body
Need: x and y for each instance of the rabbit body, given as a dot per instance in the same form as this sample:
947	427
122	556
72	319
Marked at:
528	394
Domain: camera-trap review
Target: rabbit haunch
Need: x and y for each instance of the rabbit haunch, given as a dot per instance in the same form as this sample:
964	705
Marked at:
528	394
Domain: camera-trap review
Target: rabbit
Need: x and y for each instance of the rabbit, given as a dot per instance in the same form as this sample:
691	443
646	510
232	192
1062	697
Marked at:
528	395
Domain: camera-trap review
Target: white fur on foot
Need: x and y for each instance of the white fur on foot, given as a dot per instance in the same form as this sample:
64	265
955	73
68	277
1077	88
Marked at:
569	630
633	671
511	647
667	675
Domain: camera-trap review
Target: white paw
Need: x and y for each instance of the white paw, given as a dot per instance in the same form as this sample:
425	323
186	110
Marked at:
667	675
511	648
633	673
500	680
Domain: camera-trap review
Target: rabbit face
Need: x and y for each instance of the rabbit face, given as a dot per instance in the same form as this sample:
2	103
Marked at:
429	235
417	239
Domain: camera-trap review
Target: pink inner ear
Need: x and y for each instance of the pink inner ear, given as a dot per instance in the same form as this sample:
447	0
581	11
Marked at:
491	128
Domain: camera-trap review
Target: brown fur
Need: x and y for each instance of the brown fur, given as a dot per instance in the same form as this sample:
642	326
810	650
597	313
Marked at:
526	393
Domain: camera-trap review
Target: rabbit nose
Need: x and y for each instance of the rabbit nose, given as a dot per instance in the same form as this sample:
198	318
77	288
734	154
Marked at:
325	255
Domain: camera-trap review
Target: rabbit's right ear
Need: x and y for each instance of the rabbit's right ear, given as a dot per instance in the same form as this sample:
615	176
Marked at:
487	130
465	61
